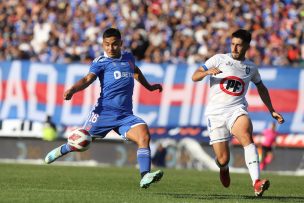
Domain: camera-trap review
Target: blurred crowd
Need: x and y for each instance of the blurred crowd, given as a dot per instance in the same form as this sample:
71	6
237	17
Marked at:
156	31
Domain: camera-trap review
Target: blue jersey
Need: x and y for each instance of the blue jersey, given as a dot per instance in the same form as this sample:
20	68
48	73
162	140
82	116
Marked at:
116	76
113	110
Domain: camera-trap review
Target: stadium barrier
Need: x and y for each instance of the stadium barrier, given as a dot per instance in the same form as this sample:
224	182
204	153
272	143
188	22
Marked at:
186	153
32	129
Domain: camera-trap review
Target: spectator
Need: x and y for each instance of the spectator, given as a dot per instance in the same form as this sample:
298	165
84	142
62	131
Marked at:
49	130
269	138
139	44
159	158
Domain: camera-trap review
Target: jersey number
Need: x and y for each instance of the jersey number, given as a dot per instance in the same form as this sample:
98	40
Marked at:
93	118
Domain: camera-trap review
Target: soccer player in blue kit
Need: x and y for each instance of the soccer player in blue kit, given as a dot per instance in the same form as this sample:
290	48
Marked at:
116	71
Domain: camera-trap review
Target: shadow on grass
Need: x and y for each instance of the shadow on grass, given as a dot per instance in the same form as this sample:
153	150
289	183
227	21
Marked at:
231	197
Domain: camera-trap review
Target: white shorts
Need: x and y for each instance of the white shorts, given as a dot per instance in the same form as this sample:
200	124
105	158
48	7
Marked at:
219	126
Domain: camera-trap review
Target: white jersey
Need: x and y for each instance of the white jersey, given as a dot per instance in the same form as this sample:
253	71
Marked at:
228	89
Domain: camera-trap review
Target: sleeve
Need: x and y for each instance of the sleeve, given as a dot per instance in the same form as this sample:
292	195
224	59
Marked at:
256	78
96	67
211	62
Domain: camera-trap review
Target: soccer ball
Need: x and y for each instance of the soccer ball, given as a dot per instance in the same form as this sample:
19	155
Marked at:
79	139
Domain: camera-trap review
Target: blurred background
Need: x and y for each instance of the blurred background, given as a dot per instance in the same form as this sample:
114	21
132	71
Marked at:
47	45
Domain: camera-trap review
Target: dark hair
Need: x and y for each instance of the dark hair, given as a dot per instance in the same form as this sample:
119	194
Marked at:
242	34
112	32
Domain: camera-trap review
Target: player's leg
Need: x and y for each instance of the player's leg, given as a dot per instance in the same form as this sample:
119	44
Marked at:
222	153
93	126
219	139
58	152
140	135
62	150
66	148
242	130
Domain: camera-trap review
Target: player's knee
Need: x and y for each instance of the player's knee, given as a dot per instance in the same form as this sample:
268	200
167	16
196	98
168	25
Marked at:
246	140
144	140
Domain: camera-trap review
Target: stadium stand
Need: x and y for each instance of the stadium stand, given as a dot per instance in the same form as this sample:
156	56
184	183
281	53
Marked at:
157	31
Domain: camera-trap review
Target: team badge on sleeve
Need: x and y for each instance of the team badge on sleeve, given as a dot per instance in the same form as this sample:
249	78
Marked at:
247	70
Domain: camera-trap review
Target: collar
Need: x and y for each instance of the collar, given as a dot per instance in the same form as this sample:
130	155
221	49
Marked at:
105	54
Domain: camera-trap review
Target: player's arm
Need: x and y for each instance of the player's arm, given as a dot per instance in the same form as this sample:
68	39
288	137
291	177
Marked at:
79	85
143	81
264	94
201	73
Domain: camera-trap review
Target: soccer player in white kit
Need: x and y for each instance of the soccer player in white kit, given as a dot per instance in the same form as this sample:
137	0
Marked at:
226	111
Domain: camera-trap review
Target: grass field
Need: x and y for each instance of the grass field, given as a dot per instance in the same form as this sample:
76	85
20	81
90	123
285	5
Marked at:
53	183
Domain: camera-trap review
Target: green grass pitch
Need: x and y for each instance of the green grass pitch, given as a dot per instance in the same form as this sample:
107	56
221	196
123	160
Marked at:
54	183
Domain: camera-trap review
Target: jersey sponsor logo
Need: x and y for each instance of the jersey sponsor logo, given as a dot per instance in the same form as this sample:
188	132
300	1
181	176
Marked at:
118	75
232	85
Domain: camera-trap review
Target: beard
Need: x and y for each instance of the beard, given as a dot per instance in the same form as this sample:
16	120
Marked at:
238	56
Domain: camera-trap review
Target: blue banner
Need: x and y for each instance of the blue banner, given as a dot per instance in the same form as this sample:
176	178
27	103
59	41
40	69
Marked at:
31	91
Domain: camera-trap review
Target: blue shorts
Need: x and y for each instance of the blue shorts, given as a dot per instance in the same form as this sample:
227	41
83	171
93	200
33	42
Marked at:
101	125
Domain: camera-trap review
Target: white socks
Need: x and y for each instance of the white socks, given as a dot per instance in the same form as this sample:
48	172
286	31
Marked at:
252	162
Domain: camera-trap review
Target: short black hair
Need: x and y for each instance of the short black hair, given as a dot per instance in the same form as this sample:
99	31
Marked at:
245	35
111	32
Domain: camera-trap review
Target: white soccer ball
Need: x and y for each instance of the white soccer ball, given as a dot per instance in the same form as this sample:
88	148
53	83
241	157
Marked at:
79	139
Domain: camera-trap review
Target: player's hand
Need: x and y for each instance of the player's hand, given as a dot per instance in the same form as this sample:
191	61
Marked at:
68	94
214	71
278	117
158	87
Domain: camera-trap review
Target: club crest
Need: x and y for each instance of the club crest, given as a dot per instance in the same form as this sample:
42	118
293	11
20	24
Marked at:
247	70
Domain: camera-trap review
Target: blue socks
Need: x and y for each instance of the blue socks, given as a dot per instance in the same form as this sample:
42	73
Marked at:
65	149
144	160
